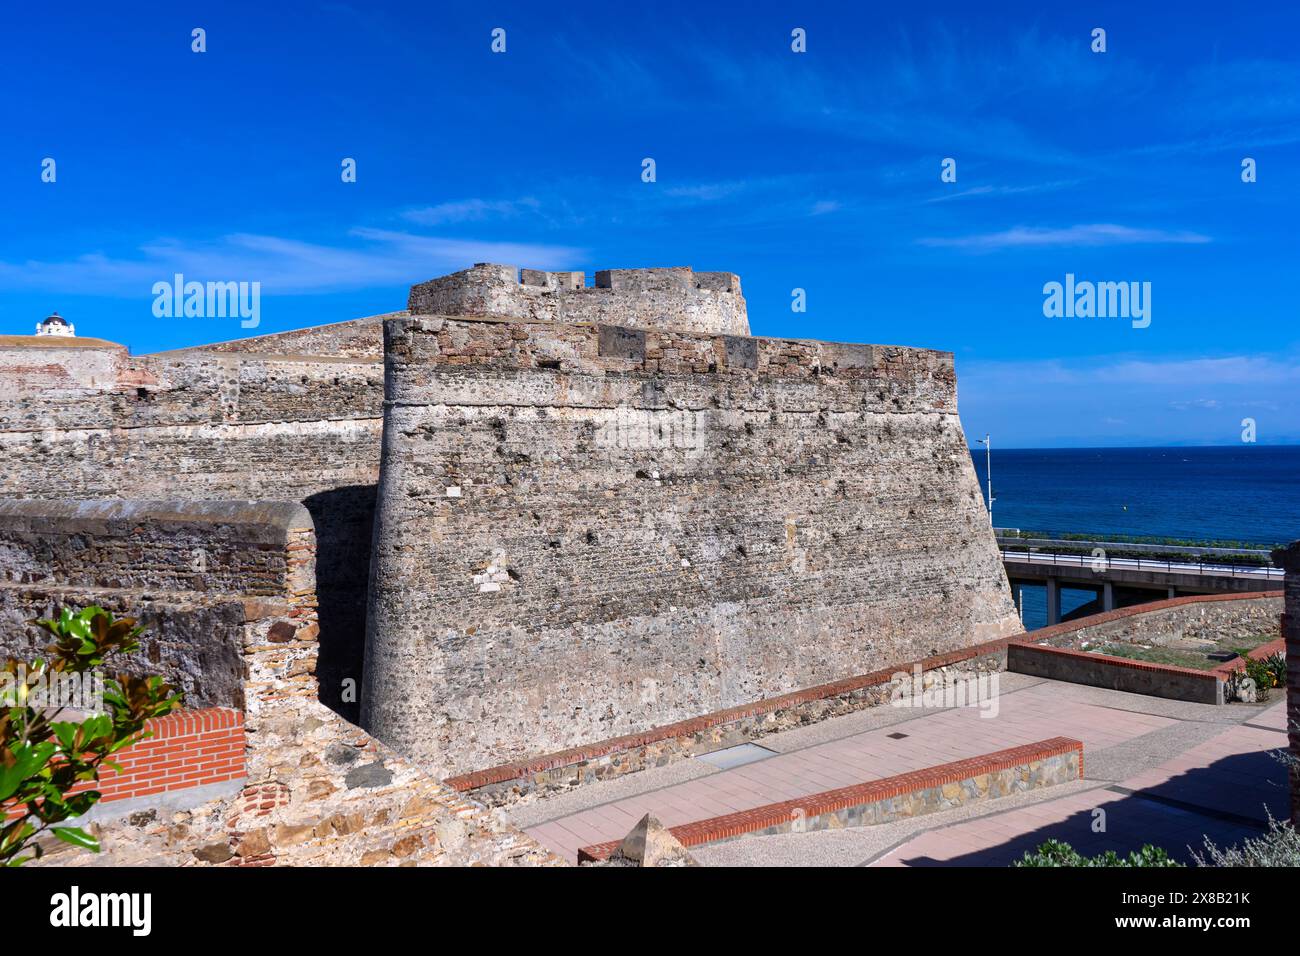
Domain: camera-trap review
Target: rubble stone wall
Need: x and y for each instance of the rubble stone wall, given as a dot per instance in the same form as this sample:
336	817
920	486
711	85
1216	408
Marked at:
614	508
292	416
676	298
225	590
588	530
1198	616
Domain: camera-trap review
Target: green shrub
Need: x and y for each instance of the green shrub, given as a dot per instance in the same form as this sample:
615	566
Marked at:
42	758
1276	664
1266	672
1280	846
1058	853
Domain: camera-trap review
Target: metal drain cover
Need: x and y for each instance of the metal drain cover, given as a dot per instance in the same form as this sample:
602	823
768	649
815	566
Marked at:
736	756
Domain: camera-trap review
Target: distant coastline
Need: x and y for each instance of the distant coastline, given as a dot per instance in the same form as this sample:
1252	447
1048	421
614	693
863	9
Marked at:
1289	443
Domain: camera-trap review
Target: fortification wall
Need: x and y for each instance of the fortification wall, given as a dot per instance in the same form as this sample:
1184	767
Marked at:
226	590
256	419
676	298
588	530
357	338
238	425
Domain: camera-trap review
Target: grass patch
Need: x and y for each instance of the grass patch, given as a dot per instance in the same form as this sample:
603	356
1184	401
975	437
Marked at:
1193	654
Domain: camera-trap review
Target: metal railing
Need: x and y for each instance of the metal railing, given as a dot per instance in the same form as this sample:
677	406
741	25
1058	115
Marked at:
1151	564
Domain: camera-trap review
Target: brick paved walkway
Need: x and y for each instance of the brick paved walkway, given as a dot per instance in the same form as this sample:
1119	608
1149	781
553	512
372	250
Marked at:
933	737
1219	789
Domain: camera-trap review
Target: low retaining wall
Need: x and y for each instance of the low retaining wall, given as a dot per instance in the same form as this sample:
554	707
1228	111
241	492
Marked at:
659	746
186	750
963	782
1263	652
225	589
1116	673
1058	652
1195	616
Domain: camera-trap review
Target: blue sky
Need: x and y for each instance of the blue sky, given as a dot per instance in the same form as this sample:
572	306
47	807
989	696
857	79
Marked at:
818	171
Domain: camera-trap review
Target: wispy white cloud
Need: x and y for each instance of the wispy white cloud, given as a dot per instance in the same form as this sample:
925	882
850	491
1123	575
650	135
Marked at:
975	191
902	98
471	210
1228	370
707	191
1184	373
1131	400
1093	234
376	257
1245	90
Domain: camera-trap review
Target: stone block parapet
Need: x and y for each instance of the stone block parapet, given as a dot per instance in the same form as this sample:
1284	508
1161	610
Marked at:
673	298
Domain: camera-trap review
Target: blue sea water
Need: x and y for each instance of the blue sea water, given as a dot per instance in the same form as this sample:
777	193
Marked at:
1248	493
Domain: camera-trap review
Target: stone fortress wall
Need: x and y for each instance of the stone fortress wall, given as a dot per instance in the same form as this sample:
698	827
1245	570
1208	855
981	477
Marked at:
601	508
288	417
585	530
226	590
640	298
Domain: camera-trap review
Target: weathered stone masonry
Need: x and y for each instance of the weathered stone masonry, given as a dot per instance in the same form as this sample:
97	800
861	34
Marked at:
227	590
644	298
585	530
604	508
294	416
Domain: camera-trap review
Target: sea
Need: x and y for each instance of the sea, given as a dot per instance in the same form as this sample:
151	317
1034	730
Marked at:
1247	493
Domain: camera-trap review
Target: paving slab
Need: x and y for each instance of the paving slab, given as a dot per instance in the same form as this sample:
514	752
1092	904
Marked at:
1222	788
857	748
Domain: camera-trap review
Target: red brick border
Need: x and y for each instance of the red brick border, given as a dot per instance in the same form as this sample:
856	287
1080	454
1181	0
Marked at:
188	749
1032	643
1257	654
575	755
830	801
1105	617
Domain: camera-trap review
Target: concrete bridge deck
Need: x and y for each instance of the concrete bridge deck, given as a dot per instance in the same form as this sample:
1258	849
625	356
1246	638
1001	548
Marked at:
1104	574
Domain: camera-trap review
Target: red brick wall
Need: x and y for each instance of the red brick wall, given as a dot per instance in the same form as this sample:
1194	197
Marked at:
187	749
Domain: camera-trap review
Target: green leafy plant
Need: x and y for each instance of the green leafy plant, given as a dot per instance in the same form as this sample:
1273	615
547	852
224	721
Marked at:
1275	668
1058	853
45	759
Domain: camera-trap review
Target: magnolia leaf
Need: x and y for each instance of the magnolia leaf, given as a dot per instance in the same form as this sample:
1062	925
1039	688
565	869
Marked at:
77	837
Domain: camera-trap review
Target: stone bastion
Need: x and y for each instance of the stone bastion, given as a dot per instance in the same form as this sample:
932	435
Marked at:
542	513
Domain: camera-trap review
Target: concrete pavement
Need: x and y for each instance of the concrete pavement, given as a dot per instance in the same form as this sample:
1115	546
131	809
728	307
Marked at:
1124	735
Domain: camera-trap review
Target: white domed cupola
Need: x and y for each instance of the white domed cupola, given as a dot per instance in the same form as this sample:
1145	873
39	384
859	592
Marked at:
55	325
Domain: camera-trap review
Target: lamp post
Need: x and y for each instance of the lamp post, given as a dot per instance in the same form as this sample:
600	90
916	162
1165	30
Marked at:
987	442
